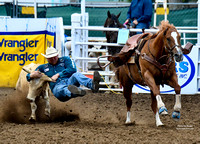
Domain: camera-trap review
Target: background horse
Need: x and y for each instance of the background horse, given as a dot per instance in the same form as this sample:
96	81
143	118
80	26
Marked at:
111	36
157	66
112	21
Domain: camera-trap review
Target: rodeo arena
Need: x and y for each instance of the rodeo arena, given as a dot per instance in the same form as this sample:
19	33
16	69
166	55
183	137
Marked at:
149	79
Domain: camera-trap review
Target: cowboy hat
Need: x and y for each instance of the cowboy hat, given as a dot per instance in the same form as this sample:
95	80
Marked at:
50	52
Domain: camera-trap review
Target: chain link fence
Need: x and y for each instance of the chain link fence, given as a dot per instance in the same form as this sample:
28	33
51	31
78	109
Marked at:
180	14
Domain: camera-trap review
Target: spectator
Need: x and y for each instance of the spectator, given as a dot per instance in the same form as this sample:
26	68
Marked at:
66	79
140	13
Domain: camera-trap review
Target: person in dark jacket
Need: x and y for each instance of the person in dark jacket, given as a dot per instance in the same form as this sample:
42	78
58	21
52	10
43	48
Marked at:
66	79
140	13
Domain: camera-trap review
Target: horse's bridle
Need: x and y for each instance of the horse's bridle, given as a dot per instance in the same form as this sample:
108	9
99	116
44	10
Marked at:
168	48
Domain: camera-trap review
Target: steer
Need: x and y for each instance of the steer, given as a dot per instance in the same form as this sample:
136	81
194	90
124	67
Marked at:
36	87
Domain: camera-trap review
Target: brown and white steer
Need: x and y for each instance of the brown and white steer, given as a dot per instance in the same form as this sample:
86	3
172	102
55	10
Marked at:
36	87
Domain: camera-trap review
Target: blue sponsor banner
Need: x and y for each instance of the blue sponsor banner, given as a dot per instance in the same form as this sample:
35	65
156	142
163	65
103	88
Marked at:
187	76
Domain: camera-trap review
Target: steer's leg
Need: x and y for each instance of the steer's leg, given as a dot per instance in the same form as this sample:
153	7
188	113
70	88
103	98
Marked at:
33	109
46	98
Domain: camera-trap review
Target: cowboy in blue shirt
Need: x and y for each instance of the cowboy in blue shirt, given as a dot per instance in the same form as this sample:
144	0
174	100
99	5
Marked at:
66	79
139	13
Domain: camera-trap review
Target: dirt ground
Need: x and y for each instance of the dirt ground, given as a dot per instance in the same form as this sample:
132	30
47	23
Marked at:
97	118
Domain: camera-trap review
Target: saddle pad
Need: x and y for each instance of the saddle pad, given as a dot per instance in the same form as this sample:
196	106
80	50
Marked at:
123	35
131	43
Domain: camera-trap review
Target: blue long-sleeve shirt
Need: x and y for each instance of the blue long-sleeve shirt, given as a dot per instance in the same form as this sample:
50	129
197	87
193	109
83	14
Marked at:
140	10
65	67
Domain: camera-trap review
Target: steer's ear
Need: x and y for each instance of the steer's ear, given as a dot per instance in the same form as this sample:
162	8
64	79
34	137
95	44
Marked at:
26	70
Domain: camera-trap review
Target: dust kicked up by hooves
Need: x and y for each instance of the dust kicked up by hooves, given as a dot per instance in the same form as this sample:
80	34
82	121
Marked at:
15	108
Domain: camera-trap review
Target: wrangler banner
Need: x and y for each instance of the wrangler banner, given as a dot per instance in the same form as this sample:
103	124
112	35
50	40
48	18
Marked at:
21	48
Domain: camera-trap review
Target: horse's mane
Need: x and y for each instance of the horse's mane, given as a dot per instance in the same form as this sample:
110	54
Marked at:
164	25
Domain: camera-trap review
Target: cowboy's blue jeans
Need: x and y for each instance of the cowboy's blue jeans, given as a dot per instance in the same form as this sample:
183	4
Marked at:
61	91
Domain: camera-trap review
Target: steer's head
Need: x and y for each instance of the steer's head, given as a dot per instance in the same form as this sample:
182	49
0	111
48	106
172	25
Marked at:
38	86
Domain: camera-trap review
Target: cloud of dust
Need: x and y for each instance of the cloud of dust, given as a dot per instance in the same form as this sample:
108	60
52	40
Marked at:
15	108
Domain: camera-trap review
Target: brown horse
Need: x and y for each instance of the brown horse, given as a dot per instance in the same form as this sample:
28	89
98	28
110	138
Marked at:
156	66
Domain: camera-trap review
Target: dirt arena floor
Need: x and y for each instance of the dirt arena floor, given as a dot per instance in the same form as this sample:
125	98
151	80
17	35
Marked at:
97	118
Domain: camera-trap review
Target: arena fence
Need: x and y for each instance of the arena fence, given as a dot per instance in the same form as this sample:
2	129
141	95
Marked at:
180	14
188	70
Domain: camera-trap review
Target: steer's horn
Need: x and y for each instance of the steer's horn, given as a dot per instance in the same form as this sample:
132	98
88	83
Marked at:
46	78
26	70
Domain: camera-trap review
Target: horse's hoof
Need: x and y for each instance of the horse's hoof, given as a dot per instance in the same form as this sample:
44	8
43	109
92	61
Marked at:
176	115
159	124
163	110
128	122
164	113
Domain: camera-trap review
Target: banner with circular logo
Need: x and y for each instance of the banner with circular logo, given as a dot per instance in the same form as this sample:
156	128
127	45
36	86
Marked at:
186	71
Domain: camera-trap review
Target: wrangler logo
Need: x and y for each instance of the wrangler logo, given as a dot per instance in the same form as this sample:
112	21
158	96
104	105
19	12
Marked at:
22	44
19	57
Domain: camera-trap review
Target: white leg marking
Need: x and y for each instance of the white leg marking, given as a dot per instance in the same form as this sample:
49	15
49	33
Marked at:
128	117
161	104
159	101
47	108
177	106
158	121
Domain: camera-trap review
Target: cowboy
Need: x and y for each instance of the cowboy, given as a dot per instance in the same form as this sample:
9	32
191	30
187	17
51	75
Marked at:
139	14
66	80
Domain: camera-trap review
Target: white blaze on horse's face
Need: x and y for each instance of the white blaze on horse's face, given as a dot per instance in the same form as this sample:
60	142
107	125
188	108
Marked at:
179	54
175	35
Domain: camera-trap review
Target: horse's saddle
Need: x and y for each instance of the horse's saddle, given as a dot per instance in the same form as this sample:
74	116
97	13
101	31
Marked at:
136	41
128	51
